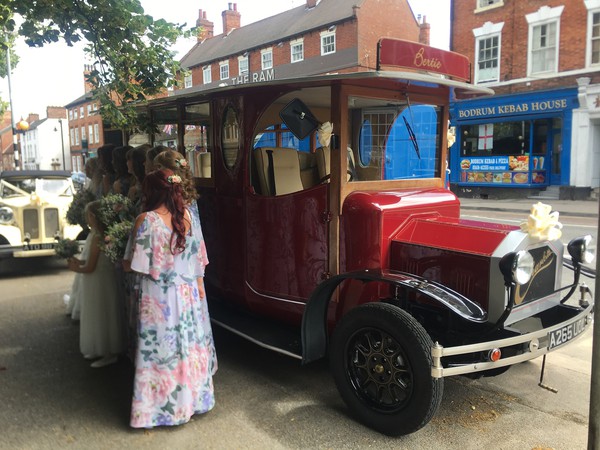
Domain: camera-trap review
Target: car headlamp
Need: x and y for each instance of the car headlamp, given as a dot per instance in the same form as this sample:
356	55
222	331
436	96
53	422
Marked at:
517	267
6	215
579	249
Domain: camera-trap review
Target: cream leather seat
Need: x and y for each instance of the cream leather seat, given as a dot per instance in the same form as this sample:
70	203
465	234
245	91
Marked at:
308	169
324	163
284	175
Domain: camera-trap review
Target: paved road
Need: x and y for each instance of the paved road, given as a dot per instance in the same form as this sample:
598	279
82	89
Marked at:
51	398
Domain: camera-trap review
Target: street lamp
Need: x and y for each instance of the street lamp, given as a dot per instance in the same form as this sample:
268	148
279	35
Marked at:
62	143
12	114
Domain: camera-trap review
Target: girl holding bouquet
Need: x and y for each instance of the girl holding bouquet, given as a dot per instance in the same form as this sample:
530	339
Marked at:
100	334
175	350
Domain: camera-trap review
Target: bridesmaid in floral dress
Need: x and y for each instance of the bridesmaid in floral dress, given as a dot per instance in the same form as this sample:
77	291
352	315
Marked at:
175	357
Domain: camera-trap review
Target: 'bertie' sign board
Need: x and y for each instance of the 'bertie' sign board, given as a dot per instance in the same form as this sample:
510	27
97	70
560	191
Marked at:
412	55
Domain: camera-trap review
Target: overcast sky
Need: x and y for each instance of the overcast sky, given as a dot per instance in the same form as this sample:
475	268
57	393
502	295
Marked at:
53	75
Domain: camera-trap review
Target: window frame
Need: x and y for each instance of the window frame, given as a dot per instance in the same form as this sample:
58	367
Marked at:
224	70
494	4
297	43
187	81
593	7
263	54
488	31
247	64
207	74
544	16
324	35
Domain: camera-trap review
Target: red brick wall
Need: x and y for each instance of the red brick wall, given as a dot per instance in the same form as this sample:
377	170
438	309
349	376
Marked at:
381	18
91	119
514	40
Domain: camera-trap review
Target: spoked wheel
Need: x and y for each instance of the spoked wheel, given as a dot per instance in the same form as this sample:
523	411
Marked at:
381	362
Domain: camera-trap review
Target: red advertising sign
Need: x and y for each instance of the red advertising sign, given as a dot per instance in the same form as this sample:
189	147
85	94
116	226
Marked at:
412	55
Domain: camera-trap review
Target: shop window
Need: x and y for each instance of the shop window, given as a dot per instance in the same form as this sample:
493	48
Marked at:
504	138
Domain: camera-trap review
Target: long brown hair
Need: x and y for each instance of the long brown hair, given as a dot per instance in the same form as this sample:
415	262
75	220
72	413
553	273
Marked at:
163	187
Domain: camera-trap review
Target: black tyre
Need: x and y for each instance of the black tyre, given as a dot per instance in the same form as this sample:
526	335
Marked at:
380	357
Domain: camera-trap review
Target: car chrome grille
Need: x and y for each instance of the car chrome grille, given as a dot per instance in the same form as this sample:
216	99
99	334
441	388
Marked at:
51	223
31	223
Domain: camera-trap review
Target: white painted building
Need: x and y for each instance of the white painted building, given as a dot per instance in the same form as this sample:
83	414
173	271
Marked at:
42	146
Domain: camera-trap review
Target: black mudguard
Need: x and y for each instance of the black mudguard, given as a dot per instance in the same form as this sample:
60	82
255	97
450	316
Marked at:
314	320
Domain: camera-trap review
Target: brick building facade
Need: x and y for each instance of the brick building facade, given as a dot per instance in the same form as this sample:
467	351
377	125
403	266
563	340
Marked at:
86	129
315	38
541	131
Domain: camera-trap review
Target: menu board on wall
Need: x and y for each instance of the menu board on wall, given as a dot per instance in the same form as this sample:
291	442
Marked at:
501	169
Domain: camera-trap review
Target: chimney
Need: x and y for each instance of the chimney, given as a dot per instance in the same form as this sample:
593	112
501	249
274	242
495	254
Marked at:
206	27
88	87
424	31
56	112
311	4
231	18
32	118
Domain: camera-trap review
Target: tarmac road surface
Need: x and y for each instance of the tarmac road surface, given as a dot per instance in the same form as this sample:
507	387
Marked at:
50	398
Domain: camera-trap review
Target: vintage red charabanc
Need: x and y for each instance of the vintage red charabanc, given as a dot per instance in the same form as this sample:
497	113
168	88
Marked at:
330	231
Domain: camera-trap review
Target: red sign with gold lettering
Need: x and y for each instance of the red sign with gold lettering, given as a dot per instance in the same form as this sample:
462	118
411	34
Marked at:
412	55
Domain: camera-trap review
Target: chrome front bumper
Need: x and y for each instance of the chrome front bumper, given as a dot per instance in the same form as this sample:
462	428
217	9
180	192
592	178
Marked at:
536	343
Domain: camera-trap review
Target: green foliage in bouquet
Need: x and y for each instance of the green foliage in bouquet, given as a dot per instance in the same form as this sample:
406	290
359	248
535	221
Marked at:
66	248
115	240
116	208
76	211
117	214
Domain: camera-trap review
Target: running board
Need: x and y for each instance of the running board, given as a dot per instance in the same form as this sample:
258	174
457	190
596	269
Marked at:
263	332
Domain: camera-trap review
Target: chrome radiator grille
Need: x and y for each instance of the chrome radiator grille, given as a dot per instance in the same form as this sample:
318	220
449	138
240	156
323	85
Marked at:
32	225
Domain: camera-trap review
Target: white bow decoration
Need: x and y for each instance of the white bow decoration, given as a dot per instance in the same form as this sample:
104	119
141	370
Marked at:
325	132
542	224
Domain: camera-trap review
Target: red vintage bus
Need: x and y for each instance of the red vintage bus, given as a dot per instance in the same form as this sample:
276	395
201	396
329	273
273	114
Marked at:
331	232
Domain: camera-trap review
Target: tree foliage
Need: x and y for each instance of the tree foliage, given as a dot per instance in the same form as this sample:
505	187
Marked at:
128	49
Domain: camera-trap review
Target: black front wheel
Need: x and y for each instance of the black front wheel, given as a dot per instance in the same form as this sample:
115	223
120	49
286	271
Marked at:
380	358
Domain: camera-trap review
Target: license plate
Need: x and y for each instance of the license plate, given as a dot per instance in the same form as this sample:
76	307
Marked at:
564	334
48	246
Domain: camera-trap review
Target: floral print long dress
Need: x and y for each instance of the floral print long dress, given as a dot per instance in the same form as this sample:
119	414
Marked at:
175	357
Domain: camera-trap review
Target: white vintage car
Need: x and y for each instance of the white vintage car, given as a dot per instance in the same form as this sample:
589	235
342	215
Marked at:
33	207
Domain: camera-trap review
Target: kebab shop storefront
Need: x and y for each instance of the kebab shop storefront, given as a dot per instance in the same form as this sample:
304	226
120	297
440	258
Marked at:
511	146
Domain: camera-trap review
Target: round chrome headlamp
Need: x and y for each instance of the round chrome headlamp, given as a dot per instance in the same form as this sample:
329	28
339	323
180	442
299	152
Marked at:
6	215
579	249
517	267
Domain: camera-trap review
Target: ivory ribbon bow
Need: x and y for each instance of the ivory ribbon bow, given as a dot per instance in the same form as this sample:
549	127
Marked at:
325	132
542	224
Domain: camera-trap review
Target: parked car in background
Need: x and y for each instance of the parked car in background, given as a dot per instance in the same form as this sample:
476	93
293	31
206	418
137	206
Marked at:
33	206
79	180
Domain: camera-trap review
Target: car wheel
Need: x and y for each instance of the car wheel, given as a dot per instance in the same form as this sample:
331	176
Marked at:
380	358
